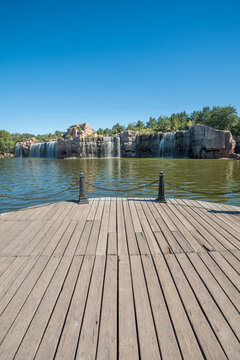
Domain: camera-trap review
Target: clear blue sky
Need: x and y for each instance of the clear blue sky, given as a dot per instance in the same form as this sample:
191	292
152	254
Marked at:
103	62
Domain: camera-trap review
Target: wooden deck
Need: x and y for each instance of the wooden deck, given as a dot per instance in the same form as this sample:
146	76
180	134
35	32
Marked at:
120	279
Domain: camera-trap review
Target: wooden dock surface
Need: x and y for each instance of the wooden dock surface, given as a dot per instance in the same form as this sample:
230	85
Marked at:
120	279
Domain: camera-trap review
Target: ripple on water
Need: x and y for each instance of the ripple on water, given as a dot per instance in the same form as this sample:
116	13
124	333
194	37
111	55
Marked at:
42	177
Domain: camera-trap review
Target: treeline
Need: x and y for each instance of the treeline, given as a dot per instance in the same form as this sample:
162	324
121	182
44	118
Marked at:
218	117
8	141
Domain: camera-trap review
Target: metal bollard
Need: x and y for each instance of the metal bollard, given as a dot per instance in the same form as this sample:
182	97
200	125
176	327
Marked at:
82	195
161	194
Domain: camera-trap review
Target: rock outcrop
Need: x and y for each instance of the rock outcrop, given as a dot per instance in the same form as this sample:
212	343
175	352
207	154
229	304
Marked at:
80	130
209	143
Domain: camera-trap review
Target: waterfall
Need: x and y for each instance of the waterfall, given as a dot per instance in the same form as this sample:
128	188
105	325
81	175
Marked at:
36	150
167	145
51	149
118	147
186	143
110	147
161	145
44	149
18	150
107	147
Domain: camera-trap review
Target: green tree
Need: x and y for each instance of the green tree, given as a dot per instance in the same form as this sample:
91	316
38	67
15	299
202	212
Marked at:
218	117
117	128
100	131
140	125
152	123
163	124
7	142
131	126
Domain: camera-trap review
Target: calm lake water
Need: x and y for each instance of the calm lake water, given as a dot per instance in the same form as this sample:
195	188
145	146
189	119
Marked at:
26	177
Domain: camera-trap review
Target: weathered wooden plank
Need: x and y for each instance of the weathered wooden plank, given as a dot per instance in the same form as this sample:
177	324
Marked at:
227	308
56	230
40	212
211	228
222	217
227	338
142	244
211	242
56	238
83	242
52	334
69	338
149	235
37	228
148	342
112	226
20	297
112	244
121	231
130	232
235	263
33	243
227	268
208	341
10	290
63	243
128	344
136	222
51	211
8	230
103	234
11	272
15	237
81	222
167	341
222	279
186	337
33	336
107	343
172	242
225	232
87	345
162	242
5	262
16	332
185	229
63	210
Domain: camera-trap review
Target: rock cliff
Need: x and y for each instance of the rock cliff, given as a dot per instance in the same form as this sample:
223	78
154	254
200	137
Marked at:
201	141
209	143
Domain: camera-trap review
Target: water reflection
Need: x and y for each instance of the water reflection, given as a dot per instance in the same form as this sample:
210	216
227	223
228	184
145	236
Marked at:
41	177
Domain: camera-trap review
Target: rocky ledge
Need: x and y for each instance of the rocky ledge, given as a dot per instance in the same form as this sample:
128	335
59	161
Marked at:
201	142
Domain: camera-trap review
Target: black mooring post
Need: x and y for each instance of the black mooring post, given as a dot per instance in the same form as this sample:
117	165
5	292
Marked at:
82	195
161	194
